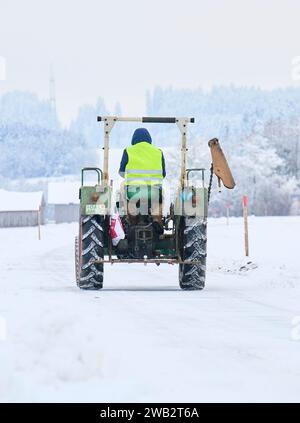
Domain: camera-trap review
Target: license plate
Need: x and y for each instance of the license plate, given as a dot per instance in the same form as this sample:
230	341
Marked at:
95	209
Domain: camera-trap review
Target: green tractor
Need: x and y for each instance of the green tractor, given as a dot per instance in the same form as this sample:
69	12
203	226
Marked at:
182	239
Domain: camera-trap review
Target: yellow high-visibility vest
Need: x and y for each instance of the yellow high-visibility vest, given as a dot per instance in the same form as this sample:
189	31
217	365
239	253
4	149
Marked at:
144	165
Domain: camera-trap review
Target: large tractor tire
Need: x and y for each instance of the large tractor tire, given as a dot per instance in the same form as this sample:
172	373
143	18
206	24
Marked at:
77	261
89	274
193	248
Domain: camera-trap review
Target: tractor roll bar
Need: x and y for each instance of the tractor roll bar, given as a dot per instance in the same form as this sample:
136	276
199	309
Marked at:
148	119
181	122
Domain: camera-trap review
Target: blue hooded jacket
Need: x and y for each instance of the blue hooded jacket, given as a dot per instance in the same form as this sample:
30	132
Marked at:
139	135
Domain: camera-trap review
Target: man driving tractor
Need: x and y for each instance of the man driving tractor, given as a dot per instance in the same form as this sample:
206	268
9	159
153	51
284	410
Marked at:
179	237
143	168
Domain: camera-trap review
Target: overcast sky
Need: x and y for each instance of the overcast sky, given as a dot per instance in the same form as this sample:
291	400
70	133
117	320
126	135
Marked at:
119	49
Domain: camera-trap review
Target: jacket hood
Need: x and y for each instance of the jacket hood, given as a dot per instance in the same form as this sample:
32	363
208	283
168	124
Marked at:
141	135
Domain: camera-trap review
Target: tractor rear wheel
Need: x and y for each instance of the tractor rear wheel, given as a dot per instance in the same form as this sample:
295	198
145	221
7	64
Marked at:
193	248
77	261
90	274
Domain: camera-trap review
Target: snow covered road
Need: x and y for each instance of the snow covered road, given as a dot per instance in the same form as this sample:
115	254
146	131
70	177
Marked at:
143	339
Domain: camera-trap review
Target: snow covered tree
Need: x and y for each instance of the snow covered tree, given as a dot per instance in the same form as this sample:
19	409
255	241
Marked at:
86	124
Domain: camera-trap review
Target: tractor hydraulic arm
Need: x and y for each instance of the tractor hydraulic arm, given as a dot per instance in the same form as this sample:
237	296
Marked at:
220	165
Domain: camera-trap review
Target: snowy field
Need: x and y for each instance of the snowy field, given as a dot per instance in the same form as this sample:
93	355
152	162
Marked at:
143	339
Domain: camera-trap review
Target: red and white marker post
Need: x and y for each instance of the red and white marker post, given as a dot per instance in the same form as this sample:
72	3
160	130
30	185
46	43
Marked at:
39	223
245	214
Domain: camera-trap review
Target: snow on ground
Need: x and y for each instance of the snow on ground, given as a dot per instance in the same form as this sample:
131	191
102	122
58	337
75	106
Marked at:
143	339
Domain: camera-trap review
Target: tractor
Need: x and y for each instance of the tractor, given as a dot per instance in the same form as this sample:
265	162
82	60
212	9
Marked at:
181	241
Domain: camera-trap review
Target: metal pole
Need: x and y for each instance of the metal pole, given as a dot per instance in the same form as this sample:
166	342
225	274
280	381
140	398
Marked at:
182	125
105	155
109	122
183	160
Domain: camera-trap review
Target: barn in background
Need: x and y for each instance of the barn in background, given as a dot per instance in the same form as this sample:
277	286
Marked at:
63	201
21	208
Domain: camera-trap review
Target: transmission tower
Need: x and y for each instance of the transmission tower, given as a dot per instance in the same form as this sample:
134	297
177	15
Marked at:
52	97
